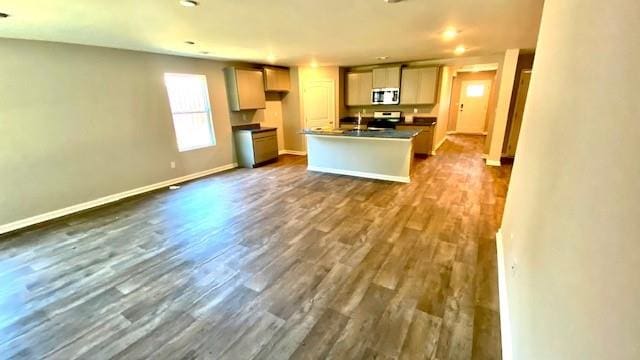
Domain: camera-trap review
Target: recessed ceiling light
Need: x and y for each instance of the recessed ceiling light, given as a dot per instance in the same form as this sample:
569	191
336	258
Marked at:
189	42
204	52
459	50
449	34
3	15
314	64
188	3
392	1
382	57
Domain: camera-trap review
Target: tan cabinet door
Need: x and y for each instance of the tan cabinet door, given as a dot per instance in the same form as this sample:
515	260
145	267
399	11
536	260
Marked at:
276	79
419	86
379	78
353	89
393	77
423	142
428	86
365	88
387	77
410	86
359	88
265	148
250	89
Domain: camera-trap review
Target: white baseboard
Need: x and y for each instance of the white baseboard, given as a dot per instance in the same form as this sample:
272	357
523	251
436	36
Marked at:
505	321
107	199
433	152
403	179
292	152
493	162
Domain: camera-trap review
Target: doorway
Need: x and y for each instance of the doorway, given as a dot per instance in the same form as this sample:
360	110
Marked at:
473	98
319	104
473	105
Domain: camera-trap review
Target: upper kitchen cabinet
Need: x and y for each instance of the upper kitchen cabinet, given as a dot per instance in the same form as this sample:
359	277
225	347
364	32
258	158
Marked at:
386	77
276	79
245	88
419	85
359	88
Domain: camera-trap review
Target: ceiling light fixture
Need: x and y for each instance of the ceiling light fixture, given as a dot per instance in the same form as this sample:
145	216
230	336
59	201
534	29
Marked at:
392	1
382	58
189	42
449	34
204	52
314	64
3	15
188	3
459	50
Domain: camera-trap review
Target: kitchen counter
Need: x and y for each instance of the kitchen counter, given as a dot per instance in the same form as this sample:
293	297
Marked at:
384	155
381	134
254	128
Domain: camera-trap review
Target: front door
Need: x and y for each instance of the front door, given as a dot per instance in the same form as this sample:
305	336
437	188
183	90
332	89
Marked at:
319	104
474	101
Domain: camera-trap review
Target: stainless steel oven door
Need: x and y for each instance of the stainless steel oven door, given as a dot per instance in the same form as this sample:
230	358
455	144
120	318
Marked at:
387	96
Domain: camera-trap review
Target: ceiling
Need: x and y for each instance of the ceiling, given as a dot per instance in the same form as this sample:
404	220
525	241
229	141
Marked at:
286	32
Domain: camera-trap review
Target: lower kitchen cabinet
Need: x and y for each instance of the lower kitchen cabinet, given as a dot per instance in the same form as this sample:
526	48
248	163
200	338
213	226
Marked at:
423	142
255	148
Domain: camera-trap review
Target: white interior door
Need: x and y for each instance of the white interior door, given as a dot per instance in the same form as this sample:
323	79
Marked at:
472	109
319	104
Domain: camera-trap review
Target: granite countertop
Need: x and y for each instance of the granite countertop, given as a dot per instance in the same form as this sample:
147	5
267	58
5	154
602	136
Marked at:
382	134
254	128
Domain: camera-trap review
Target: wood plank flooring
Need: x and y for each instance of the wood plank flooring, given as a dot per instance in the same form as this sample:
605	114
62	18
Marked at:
269	263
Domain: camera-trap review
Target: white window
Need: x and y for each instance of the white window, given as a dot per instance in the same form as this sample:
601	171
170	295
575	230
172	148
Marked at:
189	100
475	90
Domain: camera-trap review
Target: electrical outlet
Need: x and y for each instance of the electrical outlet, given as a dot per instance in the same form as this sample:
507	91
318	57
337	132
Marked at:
172	164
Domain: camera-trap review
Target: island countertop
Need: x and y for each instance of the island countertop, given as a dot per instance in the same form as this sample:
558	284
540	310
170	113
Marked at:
380	134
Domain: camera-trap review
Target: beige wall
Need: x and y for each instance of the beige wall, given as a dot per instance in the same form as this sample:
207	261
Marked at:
444	103
571	225
292	117
78	123
293	104
498	126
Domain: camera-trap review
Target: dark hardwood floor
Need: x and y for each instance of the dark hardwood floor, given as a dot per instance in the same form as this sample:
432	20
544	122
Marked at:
269	263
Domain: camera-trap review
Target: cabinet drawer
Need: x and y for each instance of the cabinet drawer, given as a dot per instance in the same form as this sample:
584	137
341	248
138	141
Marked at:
265	148
263	134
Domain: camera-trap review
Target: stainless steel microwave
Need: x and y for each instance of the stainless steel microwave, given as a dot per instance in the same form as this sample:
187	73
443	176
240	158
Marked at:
386	96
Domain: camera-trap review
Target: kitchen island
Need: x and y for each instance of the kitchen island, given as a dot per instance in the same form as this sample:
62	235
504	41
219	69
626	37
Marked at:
383	155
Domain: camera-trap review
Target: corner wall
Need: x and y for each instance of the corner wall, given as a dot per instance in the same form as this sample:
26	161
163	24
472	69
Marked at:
570	226
293	103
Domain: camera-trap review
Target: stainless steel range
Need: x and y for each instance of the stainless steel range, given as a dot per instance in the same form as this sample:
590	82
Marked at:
385	120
